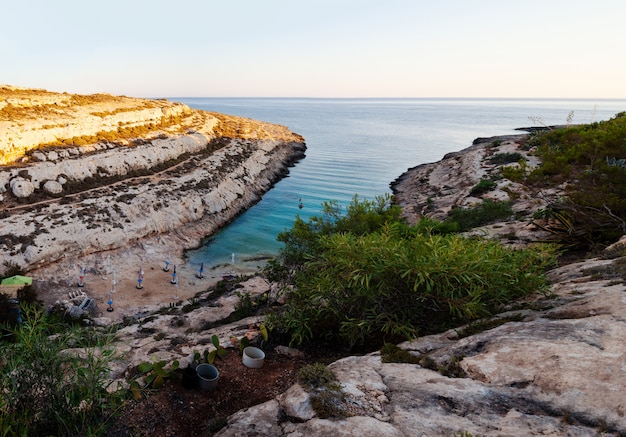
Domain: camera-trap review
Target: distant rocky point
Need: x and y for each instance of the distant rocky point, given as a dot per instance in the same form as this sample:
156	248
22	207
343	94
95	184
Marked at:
81	174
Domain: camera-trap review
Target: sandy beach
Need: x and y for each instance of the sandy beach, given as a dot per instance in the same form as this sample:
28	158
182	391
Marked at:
114	275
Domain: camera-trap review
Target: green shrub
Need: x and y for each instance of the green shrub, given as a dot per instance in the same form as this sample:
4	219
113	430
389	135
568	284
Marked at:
396	281
515	173
330	404
327	398
152	376
316	376
47	390
587	157
482	187
391	353
505	158
484	213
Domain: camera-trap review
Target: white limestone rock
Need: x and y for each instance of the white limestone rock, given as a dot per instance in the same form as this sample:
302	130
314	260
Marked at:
21	187
53	187
296	404
40	156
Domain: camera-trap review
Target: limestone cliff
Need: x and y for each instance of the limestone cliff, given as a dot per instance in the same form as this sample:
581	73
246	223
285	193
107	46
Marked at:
83	174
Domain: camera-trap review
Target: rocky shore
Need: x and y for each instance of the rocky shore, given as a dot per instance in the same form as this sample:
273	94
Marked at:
105	183
551	366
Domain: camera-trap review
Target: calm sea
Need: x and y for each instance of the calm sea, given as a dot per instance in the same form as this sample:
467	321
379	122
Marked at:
359	146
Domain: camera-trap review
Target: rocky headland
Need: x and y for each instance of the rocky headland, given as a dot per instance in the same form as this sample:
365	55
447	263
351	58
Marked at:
84	179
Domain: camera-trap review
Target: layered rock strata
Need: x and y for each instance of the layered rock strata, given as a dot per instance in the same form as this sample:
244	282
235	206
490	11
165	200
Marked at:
87	186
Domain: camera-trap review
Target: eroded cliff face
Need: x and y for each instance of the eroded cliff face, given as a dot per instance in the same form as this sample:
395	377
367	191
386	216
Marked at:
83	174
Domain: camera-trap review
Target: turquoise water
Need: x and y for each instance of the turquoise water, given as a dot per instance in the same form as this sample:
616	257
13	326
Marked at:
359	146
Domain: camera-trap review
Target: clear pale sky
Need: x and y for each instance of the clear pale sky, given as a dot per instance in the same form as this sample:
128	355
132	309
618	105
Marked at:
317	48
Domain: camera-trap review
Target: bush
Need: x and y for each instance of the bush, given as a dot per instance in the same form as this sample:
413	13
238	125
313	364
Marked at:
47	390
482	187
316	376
505	158
484	213
515	173
586	156
389	284
327	398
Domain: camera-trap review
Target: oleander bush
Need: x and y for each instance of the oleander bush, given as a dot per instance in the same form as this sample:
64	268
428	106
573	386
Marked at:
386	281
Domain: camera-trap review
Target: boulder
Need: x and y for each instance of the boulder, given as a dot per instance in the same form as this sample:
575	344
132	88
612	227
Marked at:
21	187
53	187
40	156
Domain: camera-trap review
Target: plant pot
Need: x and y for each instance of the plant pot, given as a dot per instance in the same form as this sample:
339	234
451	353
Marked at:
207	376
190	377
253	357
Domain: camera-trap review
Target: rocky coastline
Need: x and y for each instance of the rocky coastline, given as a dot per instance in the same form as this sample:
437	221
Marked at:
87	179
551	366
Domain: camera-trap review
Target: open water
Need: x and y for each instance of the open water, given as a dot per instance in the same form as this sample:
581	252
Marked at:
359	146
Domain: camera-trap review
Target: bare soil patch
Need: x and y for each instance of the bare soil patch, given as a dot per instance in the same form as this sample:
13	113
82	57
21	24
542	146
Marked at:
178	411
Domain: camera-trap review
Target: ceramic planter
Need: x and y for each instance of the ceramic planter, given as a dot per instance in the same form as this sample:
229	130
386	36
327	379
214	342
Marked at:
253	357
207	376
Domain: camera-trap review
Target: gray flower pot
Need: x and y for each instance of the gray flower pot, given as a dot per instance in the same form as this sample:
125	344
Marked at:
207	376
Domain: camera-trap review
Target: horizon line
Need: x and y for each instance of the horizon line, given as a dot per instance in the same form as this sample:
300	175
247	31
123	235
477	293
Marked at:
381	98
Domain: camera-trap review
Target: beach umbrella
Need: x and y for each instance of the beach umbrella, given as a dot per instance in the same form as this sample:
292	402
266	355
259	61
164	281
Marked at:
17	280
200	271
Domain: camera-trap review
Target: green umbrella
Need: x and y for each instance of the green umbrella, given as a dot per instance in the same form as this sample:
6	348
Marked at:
17	280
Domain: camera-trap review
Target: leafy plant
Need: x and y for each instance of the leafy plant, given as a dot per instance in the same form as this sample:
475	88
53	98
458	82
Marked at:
247	304
209	357
154	373
245	341
48	389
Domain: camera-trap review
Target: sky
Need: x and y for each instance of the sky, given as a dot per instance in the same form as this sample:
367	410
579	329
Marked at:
317	48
